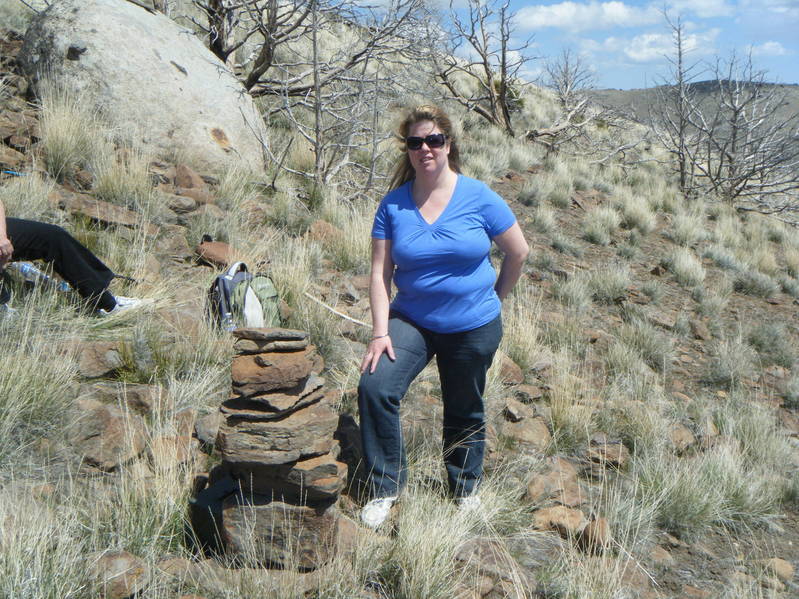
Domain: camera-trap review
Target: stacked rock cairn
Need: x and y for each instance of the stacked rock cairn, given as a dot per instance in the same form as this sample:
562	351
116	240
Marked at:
276	442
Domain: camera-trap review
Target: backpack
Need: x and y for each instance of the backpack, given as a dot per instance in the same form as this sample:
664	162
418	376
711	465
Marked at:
238	298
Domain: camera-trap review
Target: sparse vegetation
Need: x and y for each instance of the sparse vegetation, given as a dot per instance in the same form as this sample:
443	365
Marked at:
601	361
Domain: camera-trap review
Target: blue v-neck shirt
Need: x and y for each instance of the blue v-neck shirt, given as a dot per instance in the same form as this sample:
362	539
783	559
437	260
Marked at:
444	278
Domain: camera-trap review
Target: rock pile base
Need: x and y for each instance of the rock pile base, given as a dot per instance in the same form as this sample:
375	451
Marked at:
276	442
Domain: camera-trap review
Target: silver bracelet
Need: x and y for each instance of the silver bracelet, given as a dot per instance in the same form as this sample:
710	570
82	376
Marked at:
379	336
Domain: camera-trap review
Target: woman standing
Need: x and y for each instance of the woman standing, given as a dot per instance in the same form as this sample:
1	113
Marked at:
432	235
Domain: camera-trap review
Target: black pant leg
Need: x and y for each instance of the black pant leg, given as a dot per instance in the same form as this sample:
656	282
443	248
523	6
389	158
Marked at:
80	268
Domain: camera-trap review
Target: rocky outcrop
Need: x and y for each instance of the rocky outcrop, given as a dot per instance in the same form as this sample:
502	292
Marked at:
277	445
148	77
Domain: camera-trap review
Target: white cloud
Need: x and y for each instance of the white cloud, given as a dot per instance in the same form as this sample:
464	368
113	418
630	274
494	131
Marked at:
580	16
786	9
770	48
651	47
703	9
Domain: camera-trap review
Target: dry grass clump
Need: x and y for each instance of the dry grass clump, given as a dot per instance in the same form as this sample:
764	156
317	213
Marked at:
544	219
122	177
687	228
43	548
712	303
752	282
520	338
723	257
609	284
68	130
574	292
654	348
715	488
600	224
349	246
685	267
636	213
569	407
26	197
732	361
565	245
727	232
32	381
791	259
773	342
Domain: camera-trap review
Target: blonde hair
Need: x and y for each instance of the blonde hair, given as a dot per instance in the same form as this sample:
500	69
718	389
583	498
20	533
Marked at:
404	172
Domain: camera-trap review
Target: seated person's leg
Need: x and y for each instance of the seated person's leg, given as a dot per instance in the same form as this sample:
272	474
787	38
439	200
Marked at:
72	261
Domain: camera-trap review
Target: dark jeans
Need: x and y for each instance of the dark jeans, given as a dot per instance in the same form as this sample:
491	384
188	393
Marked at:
80	268
463	360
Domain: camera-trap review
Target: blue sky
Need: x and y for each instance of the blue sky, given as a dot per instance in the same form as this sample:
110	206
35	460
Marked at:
625	41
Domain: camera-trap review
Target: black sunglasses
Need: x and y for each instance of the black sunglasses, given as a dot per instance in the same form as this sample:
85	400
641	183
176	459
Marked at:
436	140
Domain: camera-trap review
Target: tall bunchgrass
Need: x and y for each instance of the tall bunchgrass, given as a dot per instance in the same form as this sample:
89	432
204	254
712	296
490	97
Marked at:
716	488
520	338
27	197
68	129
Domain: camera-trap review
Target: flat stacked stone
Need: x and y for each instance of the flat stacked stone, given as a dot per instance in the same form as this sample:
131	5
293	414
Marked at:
276	442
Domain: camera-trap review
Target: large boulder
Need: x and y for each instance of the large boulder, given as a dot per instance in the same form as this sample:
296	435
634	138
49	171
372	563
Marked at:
150	78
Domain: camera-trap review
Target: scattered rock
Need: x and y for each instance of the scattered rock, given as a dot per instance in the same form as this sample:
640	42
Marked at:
528	393
611	454
279	534
99	211
207	427
681	437
530	431
105	436
99	358
699	330
558	483
780	568
595	537
515	411
509	373
660	556
136	396
180	204
119	574
217	253
567	522
186	177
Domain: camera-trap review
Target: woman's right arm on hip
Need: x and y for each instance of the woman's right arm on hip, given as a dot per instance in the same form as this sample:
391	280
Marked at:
379	298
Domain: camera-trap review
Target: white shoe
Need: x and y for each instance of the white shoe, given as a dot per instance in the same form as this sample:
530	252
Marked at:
376	511
469	503
125	304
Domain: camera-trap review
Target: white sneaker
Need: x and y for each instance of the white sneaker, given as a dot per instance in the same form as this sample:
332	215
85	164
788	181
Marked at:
124	304
469	503
376	511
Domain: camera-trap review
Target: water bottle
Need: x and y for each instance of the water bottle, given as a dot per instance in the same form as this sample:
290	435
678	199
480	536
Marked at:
35	276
